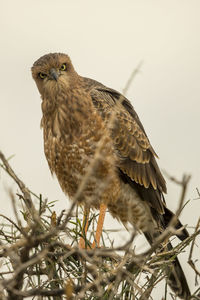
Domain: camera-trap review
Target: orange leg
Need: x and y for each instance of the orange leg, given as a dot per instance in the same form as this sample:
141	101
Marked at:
99	226
82	243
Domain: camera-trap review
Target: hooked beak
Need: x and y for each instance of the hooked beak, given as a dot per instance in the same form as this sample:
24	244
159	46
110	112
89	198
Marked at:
54	74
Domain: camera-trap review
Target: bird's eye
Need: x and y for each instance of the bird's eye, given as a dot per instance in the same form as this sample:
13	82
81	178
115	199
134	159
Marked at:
42	75
63	67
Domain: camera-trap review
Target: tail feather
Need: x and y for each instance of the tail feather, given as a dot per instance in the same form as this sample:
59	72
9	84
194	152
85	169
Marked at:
168	215
174	272
177	281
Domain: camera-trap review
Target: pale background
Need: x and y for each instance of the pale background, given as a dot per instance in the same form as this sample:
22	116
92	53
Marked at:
106	40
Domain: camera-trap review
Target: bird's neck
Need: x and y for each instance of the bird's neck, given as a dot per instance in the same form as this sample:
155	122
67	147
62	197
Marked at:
66	112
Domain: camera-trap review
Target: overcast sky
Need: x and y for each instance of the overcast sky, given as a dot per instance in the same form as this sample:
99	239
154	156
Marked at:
105	40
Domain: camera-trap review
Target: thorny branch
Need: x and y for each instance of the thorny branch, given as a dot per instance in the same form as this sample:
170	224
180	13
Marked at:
131	78
23	188
42	261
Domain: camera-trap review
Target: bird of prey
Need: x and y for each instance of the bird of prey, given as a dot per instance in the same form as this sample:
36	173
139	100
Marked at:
96	145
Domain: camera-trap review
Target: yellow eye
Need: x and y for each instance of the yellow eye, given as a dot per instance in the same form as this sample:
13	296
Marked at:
63	67
42	75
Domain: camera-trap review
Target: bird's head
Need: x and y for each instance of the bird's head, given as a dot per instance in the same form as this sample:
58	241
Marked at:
52	73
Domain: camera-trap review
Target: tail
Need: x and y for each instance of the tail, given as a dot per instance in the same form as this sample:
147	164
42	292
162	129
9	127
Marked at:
174	272
176	279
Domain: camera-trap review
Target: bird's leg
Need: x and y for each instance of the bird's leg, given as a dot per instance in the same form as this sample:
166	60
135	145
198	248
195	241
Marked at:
99	225
82	243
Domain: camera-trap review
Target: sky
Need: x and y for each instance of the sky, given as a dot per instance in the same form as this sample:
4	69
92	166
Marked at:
106	40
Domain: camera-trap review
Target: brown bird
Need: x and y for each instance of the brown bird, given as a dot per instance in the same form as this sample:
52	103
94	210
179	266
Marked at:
96	145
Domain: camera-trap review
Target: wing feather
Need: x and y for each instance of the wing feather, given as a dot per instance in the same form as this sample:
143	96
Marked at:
137	164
